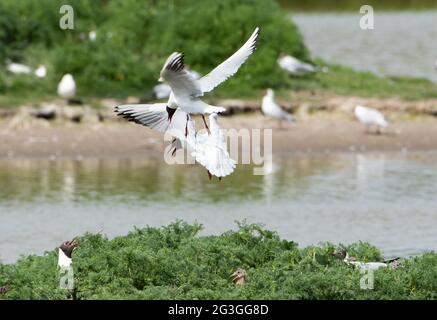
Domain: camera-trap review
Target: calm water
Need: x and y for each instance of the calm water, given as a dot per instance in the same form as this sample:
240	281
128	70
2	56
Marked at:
387	199
403	43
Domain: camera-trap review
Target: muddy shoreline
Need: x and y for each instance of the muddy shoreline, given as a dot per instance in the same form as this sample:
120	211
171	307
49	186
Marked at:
322	132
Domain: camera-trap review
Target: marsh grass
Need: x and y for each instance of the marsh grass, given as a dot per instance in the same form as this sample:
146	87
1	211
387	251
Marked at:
174	262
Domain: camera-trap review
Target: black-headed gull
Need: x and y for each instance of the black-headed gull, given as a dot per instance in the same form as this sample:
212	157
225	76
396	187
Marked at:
67	87
186	91
271	109
369	116
294	66
64	253
209	150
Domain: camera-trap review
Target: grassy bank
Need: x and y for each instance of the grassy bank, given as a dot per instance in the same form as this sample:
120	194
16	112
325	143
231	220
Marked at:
174	262
134	38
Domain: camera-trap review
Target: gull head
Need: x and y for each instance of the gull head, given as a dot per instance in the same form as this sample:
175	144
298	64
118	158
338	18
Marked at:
269	92
68	246
239	276
339	253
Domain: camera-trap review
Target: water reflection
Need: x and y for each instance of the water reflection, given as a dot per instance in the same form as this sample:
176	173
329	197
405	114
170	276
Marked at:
387	199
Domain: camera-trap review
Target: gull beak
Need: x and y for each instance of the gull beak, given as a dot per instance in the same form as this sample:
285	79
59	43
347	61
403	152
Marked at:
160	79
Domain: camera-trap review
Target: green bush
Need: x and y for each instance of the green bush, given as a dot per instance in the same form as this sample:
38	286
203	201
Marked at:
175	263
135	37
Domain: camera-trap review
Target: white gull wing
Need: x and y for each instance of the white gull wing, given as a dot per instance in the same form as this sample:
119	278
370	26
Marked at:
180	81
230	66
370	116
211	151
153	116
63	260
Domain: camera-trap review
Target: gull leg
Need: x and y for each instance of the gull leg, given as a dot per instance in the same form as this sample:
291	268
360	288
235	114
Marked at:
186	127
209	175
206	126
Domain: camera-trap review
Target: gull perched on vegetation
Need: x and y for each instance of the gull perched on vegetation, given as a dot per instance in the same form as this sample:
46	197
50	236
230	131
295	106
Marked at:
18	68
294	66
273	110
67	87
41	71
64	253
364	265
369	116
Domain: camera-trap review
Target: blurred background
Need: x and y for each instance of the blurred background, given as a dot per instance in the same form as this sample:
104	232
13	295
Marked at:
68	167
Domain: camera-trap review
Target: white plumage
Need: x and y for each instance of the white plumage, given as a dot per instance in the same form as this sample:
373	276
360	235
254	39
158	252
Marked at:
67	86
365	265
294	66
211	150
369	116
41	71
18	68
271	109
63	260
186	90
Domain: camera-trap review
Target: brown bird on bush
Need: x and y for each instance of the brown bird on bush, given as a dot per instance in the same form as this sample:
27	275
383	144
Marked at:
4	289
239	277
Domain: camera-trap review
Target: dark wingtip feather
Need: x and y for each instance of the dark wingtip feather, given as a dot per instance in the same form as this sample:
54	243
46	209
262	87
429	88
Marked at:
255	40
177	63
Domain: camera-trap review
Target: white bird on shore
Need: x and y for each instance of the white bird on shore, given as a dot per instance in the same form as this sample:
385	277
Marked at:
41	71
369	116
64	253
18	68
273	110
67	87
294	66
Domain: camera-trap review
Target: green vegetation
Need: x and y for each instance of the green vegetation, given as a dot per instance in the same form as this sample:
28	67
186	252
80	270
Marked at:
345	81
135	37
174	262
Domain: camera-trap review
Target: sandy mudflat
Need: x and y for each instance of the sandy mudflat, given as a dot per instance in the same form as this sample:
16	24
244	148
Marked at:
322	132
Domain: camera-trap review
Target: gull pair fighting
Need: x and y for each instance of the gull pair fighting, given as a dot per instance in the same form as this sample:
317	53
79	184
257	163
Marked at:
174	117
